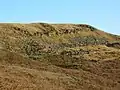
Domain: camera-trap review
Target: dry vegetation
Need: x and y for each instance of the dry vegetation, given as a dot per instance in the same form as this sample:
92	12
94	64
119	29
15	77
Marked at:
42	56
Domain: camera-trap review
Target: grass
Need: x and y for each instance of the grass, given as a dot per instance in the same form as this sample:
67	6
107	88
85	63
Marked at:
42	56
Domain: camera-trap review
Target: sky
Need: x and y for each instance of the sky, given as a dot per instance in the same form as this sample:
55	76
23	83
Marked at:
102	14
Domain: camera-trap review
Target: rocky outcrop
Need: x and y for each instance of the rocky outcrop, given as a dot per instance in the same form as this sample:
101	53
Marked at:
114	44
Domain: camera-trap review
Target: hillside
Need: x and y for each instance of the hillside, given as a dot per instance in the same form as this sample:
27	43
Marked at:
41	56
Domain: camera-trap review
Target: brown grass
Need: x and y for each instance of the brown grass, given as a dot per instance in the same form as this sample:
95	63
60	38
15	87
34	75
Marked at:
43	56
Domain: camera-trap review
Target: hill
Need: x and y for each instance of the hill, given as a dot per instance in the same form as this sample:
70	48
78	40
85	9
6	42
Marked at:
41	56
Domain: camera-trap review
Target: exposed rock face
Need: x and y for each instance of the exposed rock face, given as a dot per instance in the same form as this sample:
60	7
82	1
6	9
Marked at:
114	44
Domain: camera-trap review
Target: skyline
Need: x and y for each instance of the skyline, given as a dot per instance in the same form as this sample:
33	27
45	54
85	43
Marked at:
104	15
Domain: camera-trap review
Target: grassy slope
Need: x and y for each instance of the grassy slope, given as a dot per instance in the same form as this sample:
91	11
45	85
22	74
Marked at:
57	56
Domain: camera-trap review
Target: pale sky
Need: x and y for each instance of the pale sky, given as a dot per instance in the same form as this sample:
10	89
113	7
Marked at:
102	14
